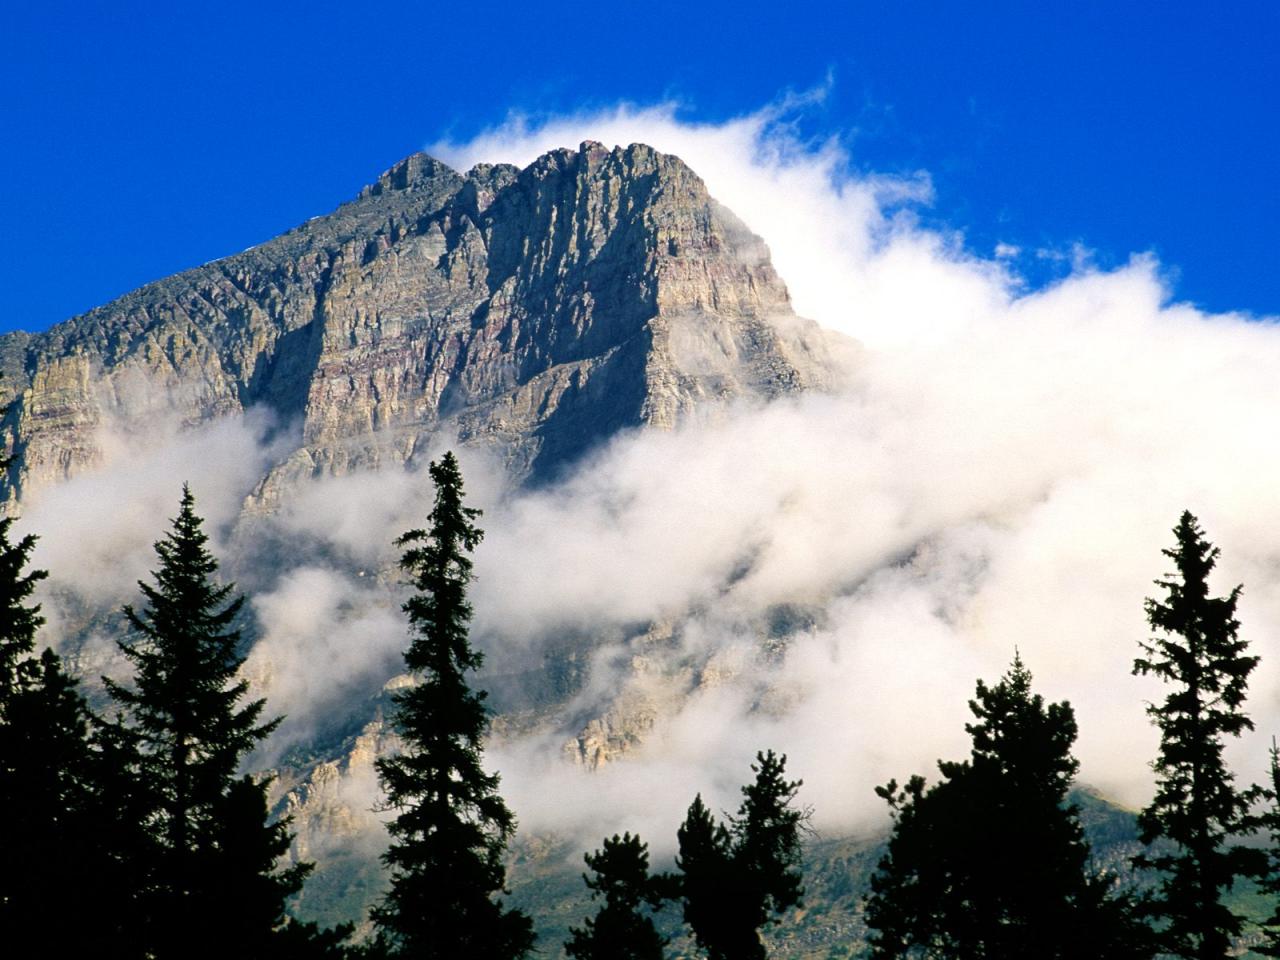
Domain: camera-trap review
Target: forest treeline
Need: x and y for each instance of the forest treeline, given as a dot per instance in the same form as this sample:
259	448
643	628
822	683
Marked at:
134	832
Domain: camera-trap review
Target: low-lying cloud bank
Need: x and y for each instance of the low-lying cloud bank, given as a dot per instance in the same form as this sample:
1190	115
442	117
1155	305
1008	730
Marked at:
1002	474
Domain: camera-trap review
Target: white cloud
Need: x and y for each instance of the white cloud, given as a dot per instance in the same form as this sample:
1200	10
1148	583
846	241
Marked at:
1002	472
97	530
328	642
1040	446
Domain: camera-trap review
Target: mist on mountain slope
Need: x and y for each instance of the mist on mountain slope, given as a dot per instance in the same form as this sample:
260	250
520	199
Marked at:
1001	472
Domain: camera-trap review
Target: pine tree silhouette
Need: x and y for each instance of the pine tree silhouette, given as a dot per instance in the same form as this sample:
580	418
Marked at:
47	800
622	929
452	828
1197	807
56	801
991	861
737	879
706	880
213	889
18	621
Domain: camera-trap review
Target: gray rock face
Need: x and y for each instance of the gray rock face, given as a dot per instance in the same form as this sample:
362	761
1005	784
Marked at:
537	311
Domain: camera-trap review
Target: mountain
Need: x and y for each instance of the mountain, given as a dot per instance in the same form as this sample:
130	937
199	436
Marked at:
536	314
535	311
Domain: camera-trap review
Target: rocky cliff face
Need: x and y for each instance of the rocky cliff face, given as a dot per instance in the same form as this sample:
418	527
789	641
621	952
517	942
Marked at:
536	311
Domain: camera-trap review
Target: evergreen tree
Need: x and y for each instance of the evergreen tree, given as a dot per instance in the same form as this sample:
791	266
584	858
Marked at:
1270	882
18	621
739	878
245	893
706	880
212	889
47	799
991	861
452	828
58	804
767	840
1197	810
125	845
61	798
620	930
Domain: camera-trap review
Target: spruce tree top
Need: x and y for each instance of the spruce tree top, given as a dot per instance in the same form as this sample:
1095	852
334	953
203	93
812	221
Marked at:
767	830
450	835
1197	644
1270	881
18	621
992	861
1198	651
214	890
184	705
440	571
621	930
1196	806
739	878
1021	739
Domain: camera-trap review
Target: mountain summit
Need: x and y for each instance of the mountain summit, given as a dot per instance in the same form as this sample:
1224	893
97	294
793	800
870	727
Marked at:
537	311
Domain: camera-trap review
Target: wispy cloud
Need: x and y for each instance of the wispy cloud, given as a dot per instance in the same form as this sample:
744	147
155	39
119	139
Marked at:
1002	472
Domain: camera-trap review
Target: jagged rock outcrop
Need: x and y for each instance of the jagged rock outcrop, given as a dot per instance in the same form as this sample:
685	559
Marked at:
537	311
334	801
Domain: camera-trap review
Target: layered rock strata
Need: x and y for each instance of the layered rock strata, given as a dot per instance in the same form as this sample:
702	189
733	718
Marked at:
536	311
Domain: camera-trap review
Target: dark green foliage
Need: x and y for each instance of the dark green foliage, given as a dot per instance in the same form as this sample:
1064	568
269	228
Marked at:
49	810
18	622
991	861
211	888
124	837
739	878
1270	881
52	813
452	829
706	876
1197	809
766	832
244	893
621	930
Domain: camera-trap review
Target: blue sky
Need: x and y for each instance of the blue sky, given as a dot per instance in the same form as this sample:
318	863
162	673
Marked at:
141	139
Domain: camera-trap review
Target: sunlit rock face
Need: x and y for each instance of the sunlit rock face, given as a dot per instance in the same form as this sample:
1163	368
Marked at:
536	312
533	313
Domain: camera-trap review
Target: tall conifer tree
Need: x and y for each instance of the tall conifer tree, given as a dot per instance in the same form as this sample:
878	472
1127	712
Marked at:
62	800
991	861
18	620
1197	811
45	761
737	879
213	887
452	828
58	804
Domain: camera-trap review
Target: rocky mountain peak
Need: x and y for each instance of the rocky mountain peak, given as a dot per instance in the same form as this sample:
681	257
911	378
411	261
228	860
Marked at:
414	172
536	311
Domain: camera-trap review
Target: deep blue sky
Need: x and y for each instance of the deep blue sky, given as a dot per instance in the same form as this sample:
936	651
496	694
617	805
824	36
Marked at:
140	139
